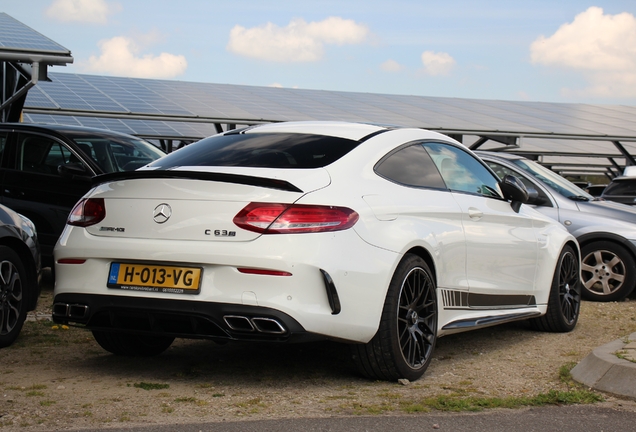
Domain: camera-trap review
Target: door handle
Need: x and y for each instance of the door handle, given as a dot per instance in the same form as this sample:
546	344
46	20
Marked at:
475	214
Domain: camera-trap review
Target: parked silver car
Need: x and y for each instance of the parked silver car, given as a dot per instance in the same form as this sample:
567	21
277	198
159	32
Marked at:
605	230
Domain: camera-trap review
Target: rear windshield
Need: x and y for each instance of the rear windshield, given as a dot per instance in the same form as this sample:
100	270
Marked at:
263	150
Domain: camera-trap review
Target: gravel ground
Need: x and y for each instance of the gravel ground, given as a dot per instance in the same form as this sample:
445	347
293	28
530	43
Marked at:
57	379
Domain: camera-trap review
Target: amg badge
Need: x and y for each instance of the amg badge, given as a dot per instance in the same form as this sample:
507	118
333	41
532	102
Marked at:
112	229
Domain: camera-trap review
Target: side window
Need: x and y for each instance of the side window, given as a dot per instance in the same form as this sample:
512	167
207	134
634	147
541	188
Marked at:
40	154
462	172
410	166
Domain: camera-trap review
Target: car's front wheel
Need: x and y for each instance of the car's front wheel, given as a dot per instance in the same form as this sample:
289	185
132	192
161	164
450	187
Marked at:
404	344
13	296
564	303
134	345
608	271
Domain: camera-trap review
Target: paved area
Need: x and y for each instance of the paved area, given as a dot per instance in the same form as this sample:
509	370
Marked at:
580	418
610	368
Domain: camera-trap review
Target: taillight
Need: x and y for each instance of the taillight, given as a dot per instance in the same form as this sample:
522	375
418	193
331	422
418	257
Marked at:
272	218
87	212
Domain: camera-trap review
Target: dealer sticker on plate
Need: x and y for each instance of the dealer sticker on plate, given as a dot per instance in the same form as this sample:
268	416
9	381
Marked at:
155	278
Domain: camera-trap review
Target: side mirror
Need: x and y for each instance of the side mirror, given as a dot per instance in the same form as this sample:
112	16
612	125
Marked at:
74	171
535	199
515	191
533	194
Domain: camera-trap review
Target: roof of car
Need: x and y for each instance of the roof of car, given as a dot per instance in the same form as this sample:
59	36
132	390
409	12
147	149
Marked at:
60	128
500	155
623	178
349	130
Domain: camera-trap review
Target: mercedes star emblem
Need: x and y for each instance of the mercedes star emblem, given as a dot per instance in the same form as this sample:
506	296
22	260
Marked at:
162	213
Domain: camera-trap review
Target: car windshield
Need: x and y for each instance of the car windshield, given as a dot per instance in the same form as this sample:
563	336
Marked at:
115	153
552	179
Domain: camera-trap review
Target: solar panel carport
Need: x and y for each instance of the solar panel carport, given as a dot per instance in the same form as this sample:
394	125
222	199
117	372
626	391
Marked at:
569	138
24	59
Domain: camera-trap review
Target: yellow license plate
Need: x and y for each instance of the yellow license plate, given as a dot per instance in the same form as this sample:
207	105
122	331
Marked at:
155	278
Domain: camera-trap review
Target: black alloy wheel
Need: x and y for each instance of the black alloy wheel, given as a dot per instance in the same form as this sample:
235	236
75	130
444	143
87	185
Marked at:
564	302
13	296
417	318
404	344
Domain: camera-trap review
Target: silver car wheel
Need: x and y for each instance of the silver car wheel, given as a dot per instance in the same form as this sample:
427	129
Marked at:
603	272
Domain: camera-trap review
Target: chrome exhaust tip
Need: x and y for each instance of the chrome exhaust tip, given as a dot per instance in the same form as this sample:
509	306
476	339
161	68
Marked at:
239	323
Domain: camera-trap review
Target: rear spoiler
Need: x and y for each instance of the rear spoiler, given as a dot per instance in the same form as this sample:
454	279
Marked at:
196	175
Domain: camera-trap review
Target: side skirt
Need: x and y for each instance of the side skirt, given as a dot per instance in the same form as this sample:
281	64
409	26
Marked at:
487	321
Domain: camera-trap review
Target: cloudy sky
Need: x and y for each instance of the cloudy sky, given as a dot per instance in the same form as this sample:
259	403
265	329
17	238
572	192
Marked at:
539	50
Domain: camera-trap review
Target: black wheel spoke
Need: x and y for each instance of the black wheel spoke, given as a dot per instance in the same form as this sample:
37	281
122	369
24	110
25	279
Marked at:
568	283
10	297
417	317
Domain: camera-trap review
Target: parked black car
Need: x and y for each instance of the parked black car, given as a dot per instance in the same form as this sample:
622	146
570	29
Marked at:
19	273
596	190
621	189
45	169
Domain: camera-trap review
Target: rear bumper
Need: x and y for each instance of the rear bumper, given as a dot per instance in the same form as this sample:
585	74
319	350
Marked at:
335	288
184	319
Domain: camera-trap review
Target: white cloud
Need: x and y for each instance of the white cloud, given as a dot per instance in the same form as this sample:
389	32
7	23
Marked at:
391	66
437	63
86	11
601	47
279	85
120	56
298	42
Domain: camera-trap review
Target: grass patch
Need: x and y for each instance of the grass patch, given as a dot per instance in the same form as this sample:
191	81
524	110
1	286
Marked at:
42	334
472	403
460	399
151	386
564	373
623	356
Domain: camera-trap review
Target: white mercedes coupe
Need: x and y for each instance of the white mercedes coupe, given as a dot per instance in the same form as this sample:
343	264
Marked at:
385	238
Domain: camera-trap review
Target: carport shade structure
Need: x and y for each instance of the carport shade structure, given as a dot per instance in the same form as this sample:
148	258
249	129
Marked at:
568	138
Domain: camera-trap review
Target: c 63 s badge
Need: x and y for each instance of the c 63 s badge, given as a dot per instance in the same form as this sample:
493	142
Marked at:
220	233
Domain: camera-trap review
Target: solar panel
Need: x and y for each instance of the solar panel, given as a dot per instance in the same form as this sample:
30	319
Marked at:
236	104
16	36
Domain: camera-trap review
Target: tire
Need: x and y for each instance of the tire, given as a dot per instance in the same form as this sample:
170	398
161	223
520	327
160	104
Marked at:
608	271
132	345
405	341
564	303
14	296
